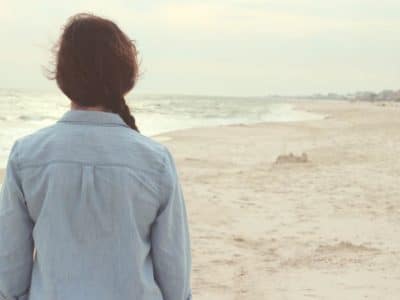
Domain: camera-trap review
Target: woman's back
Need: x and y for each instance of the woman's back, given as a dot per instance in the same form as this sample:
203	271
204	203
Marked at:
105	210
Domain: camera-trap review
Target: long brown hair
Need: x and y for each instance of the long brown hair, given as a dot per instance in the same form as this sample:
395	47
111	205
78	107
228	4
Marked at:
96	64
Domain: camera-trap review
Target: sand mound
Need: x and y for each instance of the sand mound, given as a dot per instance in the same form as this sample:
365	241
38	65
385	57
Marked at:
345	247
291	158
339	254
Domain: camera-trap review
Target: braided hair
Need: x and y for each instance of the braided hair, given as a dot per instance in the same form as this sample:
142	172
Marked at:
120	107
96	64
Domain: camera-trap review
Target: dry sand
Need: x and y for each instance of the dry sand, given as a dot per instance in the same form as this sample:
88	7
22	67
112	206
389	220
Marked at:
323	227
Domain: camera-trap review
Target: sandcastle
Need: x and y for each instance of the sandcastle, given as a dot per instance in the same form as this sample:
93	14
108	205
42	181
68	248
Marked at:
291	158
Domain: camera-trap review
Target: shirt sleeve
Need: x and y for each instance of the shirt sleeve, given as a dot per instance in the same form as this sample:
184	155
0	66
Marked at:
171	251
16	243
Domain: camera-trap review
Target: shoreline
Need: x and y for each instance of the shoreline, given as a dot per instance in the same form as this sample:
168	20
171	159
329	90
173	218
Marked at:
163	137
294	107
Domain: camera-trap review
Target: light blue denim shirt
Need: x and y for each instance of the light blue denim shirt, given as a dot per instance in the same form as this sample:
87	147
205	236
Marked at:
103	208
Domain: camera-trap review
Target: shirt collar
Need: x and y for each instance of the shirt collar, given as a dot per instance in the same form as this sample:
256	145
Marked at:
92	117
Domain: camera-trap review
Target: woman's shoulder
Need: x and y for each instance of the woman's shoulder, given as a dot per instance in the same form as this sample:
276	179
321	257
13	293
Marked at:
153	147
31	139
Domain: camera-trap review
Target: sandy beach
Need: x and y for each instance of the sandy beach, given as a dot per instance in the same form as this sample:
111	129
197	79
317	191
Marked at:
320	225
323	226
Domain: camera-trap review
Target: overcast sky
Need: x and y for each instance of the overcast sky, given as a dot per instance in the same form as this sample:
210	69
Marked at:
225	47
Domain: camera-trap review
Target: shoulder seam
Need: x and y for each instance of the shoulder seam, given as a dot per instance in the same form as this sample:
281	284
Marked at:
92	124
42	164
16	153
163	172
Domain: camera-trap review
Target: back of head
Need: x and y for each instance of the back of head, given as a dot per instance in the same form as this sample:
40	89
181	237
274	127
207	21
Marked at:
96	64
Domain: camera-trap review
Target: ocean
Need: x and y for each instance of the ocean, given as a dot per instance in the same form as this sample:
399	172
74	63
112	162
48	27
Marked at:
24	111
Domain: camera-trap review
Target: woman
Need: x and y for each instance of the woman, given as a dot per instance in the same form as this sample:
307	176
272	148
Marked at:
99	202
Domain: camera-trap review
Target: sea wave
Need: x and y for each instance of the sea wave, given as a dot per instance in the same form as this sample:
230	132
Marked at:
22	112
